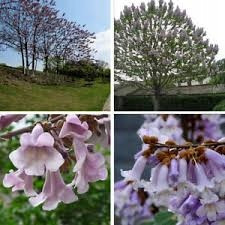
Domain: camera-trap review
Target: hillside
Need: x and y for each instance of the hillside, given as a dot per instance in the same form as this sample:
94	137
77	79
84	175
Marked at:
51	93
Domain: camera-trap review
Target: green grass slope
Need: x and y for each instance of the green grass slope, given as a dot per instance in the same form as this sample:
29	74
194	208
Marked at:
20	95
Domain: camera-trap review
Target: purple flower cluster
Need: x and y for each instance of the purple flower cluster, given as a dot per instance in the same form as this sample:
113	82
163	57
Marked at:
44	153
186	178
133	206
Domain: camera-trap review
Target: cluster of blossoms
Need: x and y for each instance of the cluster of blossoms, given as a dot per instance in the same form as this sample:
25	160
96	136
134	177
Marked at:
132	205
46	152
186	178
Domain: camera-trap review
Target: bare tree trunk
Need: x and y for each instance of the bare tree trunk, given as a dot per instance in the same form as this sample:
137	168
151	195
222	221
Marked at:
155	101
22	57
34	52
27	58
33	59
46	64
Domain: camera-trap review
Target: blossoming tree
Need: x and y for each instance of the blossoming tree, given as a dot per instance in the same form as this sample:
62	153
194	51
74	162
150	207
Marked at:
38	31
187	173
157	45
49	148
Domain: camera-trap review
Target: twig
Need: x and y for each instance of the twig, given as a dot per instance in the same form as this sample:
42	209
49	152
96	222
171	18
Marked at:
27	129
158	145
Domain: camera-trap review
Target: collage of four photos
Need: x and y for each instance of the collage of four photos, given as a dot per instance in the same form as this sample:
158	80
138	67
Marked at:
113	112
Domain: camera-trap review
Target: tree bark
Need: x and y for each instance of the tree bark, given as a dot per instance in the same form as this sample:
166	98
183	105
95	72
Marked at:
46	64
22	58
34	52
156	101
27	58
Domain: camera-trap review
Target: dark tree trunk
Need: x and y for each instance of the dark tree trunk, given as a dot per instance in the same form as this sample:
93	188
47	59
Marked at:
156	100
34	53
33	59
46	64
27	58
22	58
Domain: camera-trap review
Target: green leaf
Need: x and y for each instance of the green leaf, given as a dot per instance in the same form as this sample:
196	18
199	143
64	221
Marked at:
162	218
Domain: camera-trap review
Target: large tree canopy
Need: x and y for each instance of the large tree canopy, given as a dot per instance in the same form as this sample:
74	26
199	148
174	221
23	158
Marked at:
157	44
36	29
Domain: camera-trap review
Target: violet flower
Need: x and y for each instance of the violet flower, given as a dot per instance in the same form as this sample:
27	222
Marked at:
36	153
54	191
90	167
18	180
137	170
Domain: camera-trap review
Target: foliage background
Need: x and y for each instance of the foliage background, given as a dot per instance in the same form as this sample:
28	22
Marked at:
92	208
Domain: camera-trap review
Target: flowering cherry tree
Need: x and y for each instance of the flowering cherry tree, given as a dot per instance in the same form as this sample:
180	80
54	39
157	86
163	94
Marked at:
186	178
157	45
49	148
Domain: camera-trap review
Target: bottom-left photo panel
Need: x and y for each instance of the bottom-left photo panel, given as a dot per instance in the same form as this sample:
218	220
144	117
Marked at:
54	169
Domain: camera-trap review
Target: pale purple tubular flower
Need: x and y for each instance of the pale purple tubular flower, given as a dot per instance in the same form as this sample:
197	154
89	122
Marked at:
183	167
18	180
201	178
191	175
75	129
129	206
137	170
153	161
211	211
54	191
90	167
159	178
36	153
215	157
173	171
6	120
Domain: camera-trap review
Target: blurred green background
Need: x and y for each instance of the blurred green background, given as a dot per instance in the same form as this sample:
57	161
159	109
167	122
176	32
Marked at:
92	208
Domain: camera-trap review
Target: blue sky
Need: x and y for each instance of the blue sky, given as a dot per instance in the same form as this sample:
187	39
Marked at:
94	13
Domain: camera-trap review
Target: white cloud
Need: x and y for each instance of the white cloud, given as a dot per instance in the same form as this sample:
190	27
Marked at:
208	14
103	45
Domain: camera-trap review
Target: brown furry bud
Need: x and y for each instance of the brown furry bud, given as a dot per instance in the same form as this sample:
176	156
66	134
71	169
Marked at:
170	143
150	139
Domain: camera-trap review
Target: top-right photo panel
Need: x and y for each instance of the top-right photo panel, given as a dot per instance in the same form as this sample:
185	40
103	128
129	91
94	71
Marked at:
169	55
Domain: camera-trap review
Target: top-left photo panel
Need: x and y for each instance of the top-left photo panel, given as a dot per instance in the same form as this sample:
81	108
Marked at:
55	55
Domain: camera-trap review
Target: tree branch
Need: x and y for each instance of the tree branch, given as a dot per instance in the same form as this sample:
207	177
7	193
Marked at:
27	129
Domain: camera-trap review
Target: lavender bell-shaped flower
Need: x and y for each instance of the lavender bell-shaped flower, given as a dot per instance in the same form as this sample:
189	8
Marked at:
137	170
36	153
215	157
75	129
18	180
183	166
173	171
90	167
201	178
159	178
54	192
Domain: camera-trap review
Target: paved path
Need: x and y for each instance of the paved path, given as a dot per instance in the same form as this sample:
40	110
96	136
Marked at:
106	106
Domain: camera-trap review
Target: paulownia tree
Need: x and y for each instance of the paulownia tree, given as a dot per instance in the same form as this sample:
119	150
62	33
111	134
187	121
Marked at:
157	44
36	30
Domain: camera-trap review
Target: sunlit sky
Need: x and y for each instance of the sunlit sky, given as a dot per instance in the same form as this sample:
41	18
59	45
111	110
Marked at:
209	14
94	13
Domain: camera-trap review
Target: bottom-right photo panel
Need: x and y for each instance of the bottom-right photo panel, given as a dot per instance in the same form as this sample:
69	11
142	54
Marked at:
169	169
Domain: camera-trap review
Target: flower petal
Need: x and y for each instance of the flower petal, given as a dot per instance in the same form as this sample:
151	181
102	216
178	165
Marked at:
45	139
36	132
54	161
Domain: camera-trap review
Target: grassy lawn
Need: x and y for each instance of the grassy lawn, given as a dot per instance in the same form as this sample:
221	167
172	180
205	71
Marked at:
25	96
